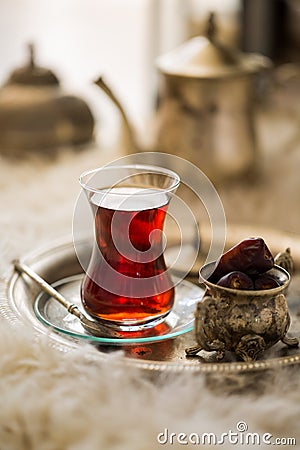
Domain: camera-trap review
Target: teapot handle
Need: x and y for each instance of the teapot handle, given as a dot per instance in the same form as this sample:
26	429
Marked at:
128	127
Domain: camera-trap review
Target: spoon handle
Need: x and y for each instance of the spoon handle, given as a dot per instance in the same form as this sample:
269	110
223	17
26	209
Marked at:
23	268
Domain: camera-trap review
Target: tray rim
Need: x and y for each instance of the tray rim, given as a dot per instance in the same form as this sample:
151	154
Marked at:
8	312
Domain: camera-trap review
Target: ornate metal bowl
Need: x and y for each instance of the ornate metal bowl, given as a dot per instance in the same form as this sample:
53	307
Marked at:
242	321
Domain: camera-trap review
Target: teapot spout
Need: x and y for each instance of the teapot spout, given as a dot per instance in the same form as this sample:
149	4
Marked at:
131	139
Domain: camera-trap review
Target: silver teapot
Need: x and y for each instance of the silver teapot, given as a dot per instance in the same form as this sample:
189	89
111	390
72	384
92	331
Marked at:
205	105
37	115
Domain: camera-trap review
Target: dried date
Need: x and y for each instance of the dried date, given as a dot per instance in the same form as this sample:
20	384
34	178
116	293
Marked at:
251	256
265	281
236	280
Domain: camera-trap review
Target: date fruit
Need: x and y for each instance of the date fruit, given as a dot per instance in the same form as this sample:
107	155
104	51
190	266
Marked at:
265	281
251	256
236	280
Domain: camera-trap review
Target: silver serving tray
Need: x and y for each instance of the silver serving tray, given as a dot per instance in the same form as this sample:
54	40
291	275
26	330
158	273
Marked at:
59	261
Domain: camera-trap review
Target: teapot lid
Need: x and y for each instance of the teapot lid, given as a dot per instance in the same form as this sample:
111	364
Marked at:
206	57
33	75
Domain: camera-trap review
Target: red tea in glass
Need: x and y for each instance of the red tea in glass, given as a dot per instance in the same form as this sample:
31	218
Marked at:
127	282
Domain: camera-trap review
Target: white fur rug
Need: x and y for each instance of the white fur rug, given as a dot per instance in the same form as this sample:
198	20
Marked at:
51	400
63	401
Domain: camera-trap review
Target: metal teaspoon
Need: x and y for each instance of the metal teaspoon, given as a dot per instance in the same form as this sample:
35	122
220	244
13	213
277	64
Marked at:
91	326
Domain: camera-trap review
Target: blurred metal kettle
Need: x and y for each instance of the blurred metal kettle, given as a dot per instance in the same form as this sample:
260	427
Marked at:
205	108
205	111
37	115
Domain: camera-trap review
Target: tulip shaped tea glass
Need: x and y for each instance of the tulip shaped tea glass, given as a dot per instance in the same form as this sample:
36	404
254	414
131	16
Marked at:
127	283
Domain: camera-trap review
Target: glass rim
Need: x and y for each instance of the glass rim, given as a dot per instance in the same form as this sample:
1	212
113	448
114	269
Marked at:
145	167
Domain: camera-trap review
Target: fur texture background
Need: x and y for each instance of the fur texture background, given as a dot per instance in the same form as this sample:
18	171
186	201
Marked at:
51	400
